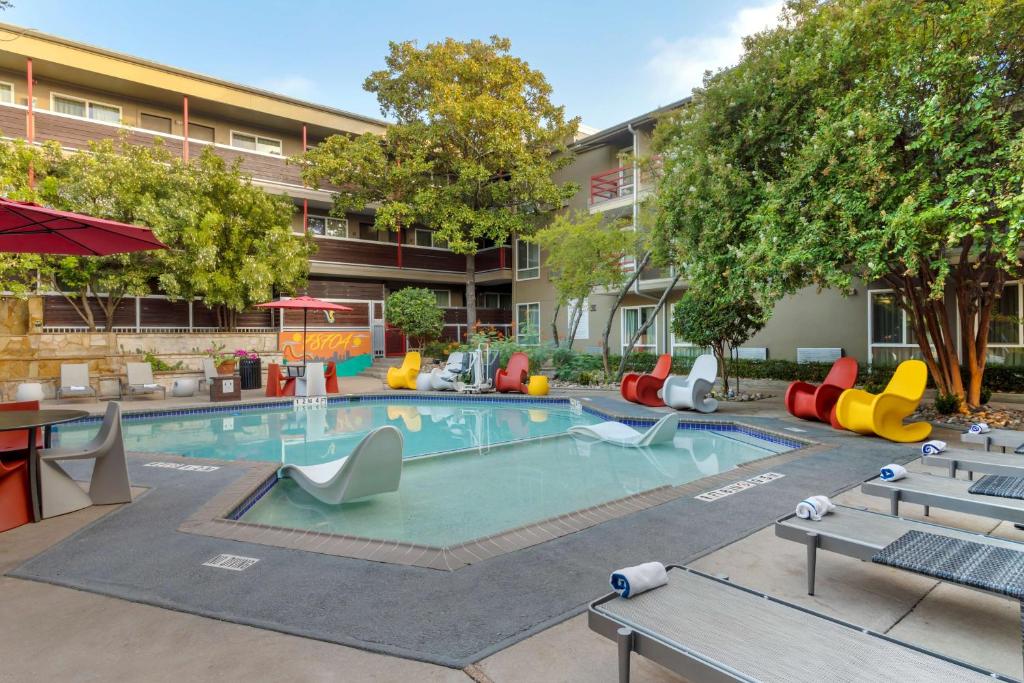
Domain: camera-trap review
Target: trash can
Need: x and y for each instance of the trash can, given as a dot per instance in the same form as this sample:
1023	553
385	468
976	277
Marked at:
251	372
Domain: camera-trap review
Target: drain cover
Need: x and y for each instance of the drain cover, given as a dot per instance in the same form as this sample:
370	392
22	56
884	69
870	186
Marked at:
235	563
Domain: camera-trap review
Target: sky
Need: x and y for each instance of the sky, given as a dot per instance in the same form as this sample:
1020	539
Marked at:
606	61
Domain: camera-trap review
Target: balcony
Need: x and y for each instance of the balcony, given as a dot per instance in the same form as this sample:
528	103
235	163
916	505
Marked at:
369	257
617	187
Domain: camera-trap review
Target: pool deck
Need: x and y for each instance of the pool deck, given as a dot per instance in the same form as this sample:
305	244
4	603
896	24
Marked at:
56	632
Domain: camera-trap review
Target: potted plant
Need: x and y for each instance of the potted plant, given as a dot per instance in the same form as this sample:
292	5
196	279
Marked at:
249	368
224	361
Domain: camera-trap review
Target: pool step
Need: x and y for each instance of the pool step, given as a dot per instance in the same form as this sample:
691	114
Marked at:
380	366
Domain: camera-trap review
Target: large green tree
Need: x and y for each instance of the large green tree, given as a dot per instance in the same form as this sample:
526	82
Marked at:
475	142
863	139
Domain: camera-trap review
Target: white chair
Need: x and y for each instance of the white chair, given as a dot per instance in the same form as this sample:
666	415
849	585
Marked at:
313	382
60	494
691	392
140	380
423	381
209	372
374	466
443	379
662	431
74	381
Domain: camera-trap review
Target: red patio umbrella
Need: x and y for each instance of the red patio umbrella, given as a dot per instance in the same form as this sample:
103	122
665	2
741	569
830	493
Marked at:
306	303
29	228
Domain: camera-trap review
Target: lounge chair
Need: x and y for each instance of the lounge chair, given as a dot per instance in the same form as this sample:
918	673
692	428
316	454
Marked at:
513	377
691	392
140	380
1003	438
374	466
404	377
662	431
74	381
656	378
209	372
17	441
443	379
956	459
942	492
809	402
882	414
312	382
708	629
60	494
15	495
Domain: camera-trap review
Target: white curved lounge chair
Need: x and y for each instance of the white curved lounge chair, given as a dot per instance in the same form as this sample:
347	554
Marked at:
443	379
662	431
691	392
374	466
313	382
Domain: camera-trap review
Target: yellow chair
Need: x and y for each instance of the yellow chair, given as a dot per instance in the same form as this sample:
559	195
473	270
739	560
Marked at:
883	413
538	385
405	376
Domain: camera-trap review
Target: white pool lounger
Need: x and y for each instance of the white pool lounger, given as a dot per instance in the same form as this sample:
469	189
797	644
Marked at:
374	466
945	493
709	630
662	431
985	462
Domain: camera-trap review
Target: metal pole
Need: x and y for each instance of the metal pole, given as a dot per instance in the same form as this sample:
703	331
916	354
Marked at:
304	312
30	122
184	127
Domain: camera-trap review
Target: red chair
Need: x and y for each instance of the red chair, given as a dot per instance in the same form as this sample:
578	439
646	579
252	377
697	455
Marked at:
809	402
515	374
651	384
331	375
15	496
18	441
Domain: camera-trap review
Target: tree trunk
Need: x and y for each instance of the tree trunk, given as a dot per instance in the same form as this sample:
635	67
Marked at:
108	305
646	326
723	362
554	323
615	307
574	324
471	293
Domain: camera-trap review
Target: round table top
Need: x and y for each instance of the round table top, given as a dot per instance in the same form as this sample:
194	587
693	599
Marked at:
26	419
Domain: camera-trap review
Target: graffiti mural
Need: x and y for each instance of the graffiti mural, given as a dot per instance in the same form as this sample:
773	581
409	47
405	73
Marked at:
352	351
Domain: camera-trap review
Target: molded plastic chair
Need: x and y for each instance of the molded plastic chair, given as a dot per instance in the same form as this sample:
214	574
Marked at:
809	402
374	466
882	414
691	392
140	380
60	494
312	382
444	379
74	381
405	376
15	496
273	380
657	378
18	441
513	377
331	375
662	431
209	372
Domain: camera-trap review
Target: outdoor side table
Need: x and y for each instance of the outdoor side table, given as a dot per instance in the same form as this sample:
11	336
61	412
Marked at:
226	388
17	420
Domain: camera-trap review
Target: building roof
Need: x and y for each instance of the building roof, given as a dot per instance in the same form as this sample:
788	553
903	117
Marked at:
603	136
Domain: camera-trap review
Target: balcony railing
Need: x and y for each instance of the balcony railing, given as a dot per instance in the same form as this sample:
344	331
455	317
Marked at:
621	182
392	255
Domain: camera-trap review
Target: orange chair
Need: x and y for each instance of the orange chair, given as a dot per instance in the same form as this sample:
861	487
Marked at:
331	375
18	441
809	402
513	377
273	380
652	382
15	496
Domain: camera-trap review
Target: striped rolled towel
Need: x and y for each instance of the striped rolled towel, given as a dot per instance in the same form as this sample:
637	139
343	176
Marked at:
933	447
979	428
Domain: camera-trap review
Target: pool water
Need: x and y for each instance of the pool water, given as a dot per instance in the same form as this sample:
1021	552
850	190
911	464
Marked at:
309	436
450	499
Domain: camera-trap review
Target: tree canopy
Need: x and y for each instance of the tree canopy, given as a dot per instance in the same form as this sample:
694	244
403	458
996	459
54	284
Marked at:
415	312
708	319
475	142
862	140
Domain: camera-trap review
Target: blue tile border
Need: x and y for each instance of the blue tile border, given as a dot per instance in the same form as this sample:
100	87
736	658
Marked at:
252	498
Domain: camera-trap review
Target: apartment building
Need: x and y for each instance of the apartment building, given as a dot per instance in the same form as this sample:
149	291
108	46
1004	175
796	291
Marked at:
57	89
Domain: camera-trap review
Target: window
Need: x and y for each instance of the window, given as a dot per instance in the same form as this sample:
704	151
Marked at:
1006	317
327	226
256	143
197	131
428	238
496	300
528	323
6	93
582	310
159	124
888	321
527	260
86	109
633	318
444	298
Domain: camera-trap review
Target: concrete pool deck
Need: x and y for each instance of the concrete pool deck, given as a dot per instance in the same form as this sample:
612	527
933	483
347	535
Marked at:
161	644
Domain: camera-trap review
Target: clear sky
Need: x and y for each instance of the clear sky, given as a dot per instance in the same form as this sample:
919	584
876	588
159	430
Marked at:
607	60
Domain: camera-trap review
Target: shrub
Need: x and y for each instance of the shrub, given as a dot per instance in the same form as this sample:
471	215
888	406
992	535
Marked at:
562	356
986	396
159	364
414	311
947	404
578	365
436	350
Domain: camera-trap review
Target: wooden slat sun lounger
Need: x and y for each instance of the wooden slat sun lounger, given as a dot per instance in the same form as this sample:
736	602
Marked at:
708	629
943	492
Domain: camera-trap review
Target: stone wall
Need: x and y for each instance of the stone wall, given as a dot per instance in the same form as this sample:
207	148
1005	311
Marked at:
38	357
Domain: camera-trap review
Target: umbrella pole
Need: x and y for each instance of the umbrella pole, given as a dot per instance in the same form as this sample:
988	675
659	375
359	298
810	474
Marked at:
304	312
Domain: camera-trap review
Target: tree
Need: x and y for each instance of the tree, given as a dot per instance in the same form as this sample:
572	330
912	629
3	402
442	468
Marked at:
708	319
871	140
584	252
414	311
471	154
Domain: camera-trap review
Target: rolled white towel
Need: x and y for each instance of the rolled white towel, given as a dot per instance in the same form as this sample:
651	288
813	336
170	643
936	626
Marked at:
75	387
632	581
933	447
893	472
814	508
979	428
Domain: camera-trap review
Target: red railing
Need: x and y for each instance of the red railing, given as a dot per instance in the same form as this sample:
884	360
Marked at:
621	181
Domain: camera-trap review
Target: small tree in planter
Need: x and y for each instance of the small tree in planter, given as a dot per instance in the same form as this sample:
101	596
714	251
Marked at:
414	311
714	320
